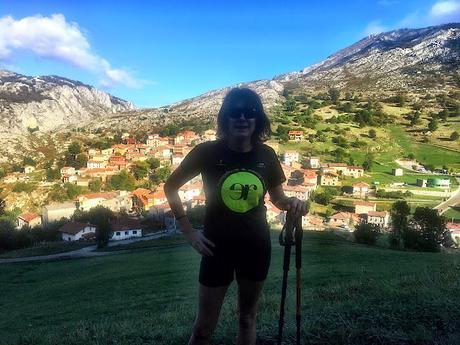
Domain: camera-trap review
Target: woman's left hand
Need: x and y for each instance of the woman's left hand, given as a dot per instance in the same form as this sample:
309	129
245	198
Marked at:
297	207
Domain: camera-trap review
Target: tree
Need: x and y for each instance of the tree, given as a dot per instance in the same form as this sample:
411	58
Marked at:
99	216
372	133
72	190
433	125
334	95
454	136
122	181
29	161
426	231
140	170
52	174
95	186
153	163
74	148
80	161
399	212
161	175
366	233
368	161
401	99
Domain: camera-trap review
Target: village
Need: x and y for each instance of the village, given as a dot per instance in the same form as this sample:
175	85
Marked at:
303	179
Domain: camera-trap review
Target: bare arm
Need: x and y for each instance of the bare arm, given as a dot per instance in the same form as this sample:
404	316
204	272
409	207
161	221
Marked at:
177	179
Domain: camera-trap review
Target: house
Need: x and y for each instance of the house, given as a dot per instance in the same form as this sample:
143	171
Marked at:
143	199
123	228
69	178
397	172
274	214
188	136
311	222
361	189
153	140
28	219
209	134
295	135
421	182
115	201
189	191
354	171
310	176
53	212
454	229
313	162
329	179
364	207
336	168
299	192
74	231
343	219
28	169
378	218
177	159
290	156
10	178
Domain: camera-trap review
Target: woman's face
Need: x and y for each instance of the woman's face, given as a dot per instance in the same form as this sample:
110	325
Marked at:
242	121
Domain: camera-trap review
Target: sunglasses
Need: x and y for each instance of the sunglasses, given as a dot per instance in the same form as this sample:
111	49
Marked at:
249	113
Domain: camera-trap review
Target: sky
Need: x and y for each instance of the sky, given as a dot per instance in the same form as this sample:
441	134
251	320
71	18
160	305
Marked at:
155	53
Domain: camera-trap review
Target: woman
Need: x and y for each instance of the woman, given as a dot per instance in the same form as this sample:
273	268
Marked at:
237	171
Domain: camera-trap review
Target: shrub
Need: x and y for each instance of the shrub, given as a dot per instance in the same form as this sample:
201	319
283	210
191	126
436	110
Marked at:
366	233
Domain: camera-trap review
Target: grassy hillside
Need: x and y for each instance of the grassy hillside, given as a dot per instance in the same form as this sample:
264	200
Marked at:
352	294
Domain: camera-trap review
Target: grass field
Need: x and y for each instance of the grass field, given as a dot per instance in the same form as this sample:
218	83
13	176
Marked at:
352	294
45	249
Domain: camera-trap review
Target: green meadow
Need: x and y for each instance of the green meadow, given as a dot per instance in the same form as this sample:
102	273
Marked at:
351	294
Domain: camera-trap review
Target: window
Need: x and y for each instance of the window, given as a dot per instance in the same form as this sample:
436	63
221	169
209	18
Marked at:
118	233
134	232
126	232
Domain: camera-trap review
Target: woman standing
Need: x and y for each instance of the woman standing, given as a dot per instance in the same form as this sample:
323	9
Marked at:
237	171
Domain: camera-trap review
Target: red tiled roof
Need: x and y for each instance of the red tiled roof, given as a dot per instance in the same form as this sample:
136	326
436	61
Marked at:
377	213
74	228
28	216
364	203
97	195
121	224
361	184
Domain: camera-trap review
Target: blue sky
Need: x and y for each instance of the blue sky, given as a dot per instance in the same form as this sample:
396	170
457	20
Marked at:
158	52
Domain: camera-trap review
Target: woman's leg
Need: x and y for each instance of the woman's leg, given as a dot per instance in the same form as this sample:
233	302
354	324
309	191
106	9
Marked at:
209	304
248	296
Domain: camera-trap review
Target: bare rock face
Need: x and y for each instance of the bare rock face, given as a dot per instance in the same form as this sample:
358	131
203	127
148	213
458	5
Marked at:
406	59
49	102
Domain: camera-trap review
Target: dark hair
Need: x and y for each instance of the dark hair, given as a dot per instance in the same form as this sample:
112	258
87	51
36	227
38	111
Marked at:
251	99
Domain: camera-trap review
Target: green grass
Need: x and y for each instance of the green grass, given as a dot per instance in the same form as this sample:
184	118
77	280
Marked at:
351	294
453	212
44	249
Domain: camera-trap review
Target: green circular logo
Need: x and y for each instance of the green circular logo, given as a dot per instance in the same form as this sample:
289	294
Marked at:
241	191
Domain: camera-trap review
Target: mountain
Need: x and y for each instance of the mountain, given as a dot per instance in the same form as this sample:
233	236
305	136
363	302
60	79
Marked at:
405	59
412	60
48	102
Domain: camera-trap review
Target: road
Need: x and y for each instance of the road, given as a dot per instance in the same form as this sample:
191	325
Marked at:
452	201
89	251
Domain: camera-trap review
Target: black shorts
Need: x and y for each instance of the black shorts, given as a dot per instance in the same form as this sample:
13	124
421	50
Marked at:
241	258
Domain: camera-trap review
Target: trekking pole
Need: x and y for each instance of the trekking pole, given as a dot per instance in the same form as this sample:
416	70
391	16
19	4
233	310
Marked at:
298	265
286	239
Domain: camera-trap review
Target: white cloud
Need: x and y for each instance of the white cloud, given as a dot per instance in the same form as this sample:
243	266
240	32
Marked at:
55	38
374	28
441	12
444	12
